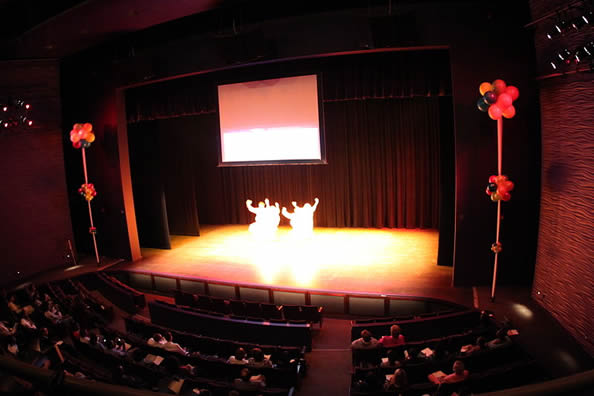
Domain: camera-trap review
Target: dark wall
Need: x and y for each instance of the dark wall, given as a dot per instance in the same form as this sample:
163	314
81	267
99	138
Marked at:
90	97
563	278
486	41
33	201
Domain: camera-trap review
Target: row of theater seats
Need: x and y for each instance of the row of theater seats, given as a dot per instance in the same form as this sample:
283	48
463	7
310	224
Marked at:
401	317
209	345
217	325
120	294
425	328
251	309
491	369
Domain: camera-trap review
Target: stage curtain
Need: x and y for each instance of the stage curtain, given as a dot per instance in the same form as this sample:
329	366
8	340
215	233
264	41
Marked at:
383	167
403	74
147	186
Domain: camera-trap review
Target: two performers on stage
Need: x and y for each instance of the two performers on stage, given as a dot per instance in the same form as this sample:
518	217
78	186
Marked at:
268	218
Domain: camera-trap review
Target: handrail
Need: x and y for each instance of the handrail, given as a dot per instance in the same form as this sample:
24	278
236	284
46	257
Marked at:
71	385
565	385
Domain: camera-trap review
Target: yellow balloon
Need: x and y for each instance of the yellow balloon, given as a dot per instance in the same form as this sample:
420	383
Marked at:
485	87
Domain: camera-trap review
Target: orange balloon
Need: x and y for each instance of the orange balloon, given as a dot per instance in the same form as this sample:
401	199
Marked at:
485	87
91	137
87	127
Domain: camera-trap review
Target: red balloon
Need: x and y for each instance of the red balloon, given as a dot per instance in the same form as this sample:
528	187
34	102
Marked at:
76	144
499	86
506	196
504	101
513	92
495	112
493	179
510	112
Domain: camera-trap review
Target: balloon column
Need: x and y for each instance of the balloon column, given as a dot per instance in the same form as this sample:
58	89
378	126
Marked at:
497	100
81	137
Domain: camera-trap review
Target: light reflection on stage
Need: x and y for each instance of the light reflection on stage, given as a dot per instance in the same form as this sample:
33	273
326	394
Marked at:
353	259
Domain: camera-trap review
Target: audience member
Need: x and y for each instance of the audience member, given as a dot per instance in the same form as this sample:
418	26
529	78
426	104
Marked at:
398	382
171	346
14	307
248	382
12	346
394	339
369	383
157	340
458	375
238	358
27	323
501	341
393	358
258	360
481	345
365	342
6	330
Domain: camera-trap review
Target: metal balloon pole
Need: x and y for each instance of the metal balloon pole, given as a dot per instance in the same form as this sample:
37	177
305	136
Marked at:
497	100
499	160
92	229
81	137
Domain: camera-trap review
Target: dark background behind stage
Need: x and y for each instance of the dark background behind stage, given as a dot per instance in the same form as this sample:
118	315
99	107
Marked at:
385	116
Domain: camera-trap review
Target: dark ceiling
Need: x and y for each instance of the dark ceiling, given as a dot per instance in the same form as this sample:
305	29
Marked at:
59	28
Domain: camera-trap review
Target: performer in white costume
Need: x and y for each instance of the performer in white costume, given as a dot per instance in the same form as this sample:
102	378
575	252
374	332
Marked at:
267	218
302	217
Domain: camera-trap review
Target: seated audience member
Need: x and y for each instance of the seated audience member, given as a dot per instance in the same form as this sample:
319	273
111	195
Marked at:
115	349
238	358
398	382
95	343
283	360
258	359
248	382
84	336
27	323
393	359
369	383
481	345
14	307
171	346
45	343
394	339
157	341
501	341
53	314
6	331
12	346
458	375
365	342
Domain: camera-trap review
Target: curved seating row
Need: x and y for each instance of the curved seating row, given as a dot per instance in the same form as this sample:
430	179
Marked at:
252	309
261	332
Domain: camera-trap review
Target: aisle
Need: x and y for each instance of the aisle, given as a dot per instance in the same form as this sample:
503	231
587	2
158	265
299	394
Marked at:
329	362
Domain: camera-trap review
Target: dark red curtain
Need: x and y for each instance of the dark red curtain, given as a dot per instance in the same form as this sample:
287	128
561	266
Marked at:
383	168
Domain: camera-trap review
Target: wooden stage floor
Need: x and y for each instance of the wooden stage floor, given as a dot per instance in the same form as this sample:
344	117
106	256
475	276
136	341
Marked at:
383	261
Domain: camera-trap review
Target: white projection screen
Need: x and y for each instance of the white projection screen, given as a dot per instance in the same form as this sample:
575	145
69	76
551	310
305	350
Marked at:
273	121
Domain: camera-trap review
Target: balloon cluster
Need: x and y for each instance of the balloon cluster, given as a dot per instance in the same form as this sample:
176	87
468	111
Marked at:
499	188
87	191
496	247
497	99
82	135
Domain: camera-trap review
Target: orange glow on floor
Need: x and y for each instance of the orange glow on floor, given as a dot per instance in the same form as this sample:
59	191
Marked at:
341	259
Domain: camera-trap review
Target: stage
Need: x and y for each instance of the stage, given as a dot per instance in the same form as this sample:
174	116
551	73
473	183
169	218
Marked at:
376	261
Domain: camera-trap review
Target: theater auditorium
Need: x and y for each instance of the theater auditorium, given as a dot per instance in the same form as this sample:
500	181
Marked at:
243	198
